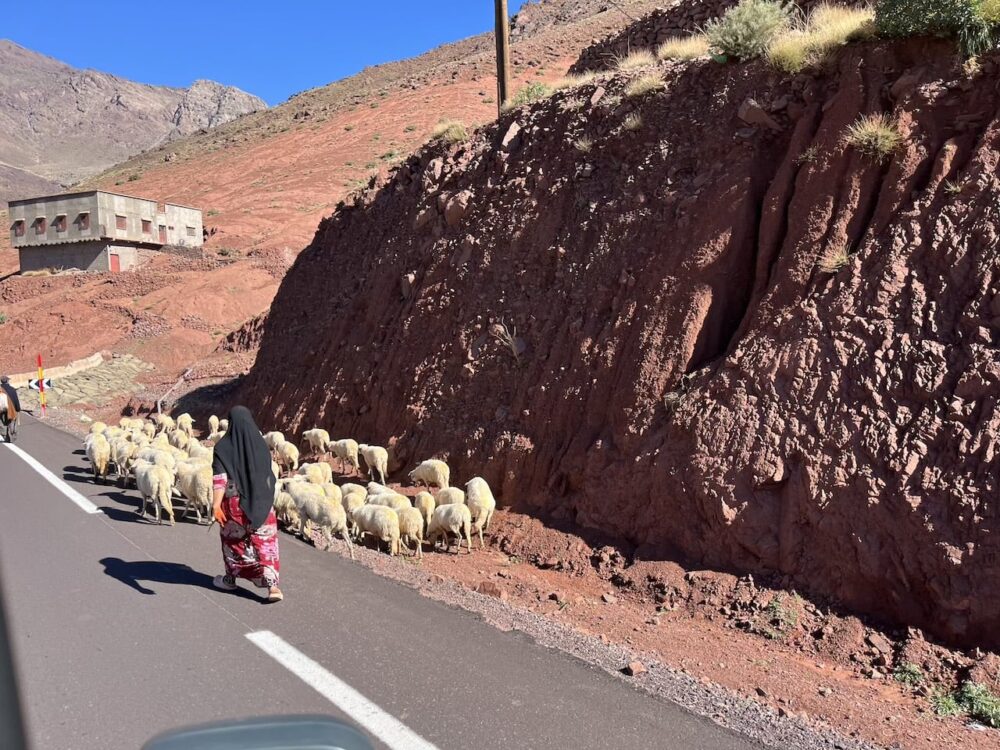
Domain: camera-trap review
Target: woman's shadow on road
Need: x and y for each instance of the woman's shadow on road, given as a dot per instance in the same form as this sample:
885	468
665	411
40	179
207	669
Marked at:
131	573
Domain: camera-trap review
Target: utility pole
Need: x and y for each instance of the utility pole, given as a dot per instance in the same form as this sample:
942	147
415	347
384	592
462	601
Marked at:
503	54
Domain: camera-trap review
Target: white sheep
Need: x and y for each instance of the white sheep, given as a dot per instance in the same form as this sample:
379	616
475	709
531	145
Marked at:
411	527
431	472
349	487
99	454
479	498
149	429
424	502
185	423
163	458
288	456
391	500
333	492
374	488
274	439
164	423
179	439
380	522
329	516
196	450
123	453
317	473
110	433
286	511
449	496
318	440
96	428
155	484
213	424
351	501
215	437
450	519
346	451
376	459
224	425
194	480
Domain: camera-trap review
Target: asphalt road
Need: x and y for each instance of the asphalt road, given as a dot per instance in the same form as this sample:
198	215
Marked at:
118	635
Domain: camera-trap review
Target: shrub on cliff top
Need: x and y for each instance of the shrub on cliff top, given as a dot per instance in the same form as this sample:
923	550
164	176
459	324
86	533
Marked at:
533	92
685	47
746	31
449	131
963	20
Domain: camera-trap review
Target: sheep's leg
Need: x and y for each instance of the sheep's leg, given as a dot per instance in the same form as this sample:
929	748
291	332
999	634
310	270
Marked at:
156	504
420	549
347	540
482	544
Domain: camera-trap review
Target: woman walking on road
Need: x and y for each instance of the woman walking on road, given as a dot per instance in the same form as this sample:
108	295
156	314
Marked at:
243	504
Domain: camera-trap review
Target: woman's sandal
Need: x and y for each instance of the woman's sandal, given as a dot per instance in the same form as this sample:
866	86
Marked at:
274	594
226	583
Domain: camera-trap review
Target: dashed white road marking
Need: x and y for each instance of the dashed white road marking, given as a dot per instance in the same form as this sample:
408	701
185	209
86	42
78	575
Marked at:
382	725
85	505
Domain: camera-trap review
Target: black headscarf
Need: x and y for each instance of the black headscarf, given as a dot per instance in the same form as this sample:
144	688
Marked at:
244	457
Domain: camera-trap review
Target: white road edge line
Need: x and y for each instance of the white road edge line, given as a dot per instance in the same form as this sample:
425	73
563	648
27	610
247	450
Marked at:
384	726
85	505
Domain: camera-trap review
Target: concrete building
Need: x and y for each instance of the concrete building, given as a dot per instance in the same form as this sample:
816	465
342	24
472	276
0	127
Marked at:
97	230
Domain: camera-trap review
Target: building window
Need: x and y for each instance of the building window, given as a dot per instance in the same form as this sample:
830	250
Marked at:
121	222
190	231
60	223
83	221
18	228
147	226
40	225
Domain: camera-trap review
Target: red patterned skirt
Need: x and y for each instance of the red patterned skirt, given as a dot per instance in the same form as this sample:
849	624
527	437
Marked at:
250	553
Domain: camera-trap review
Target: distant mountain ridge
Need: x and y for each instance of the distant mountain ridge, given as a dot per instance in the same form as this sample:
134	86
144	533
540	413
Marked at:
59	124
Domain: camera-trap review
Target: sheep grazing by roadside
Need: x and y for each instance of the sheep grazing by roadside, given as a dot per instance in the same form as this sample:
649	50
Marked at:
164	423
131	424
391	500
318	441
348	487
333	492
317	473
411	528
149	429
329	516
197	450
424	502
155	484
215	437
346	451
286	511
185	424
351	501
431	472
110	433
99	454
194	480
213	424
288	456
450	496
479	498
224	425
447	520
380	522
96	428
274	439
376	459
159	457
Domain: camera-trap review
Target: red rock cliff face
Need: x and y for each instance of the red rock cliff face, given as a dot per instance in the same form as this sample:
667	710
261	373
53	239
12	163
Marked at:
686	375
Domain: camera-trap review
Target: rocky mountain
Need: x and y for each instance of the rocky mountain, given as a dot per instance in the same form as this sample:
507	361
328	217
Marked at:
59	124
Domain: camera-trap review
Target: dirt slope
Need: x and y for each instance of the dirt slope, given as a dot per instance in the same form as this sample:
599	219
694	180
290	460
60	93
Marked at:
684	377
62	124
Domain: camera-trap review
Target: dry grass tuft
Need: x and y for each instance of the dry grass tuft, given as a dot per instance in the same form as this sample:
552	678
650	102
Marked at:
640	58
828	28
571	82
644	85
632	122
876	136
584	144
450	131
833	259
684	48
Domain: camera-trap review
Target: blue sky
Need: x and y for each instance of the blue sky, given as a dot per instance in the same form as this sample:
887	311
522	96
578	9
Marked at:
271	49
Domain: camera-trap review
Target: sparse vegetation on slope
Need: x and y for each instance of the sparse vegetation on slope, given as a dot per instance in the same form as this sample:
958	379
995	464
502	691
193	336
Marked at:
875	136
968	21
828	28
450	131
533	92
684	48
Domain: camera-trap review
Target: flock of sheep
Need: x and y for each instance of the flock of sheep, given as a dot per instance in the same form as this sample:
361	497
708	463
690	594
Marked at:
165	459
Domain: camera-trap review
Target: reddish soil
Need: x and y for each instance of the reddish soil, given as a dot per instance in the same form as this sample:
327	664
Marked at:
684	376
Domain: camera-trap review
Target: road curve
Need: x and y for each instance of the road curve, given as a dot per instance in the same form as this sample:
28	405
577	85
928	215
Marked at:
118	635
